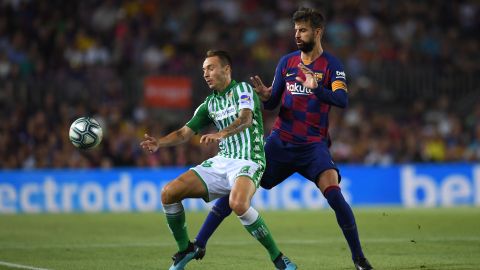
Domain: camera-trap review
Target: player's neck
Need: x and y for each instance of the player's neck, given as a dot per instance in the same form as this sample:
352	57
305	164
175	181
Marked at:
308	57
224	86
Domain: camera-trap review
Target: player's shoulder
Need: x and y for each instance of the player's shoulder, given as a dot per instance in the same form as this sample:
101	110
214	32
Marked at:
331	59
243	87
335	66
286	57
209	97
207	100
202	106
296	53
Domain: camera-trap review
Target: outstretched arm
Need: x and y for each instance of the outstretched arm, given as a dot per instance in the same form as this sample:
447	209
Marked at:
263	92
244	121
271	96
151	144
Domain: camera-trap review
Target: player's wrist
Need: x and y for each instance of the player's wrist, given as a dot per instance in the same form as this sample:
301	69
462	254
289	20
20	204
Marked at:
319	88
222	134
265	96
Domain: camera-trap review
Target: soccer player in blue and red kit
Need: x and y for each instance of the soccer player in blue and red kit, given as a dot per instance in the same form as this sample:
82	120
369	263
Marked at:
307	83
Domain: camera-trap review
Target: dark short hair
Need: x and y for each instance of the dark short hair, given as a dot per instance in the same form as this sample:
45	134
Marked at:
315	17
225	58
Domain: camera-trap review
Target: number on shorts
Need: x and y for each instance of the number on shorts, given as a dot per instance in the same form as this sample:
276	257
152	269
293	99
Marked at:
207	163
245	169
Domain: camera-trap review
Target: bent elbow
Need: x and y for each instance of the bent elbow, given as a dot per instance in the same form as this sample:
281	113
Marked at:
343	104
342	99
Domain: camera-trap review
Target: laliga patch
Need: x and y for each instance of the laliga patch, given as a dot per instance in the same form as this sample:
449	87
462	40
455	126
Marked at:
245	100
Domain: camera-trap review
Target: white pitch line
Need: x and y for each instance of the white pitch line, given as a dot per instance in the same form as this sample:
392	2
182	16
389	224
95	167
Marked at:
14	265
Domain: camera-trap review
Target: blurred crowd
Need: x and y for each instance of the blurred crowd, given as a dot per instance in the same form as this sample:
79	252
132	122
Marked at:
411	67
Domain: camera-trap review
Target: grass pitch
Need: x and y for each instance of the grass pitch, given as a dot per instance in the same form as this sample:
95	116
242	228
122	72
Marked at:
423	239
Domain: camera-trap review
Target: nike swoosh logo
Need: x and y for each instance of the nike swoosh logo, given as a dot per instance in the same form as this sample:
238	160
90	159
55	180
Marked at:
289	74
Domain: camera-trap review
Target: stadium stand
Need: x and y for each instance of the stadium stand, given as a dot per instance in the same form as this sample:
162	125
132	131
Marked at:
412	68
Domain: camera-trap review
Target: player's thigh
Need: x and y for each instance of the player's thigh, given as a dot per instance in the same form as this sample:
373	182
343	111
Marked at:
244	177
275	173
187	185
279	165
247	168
320	167
241	194
213	174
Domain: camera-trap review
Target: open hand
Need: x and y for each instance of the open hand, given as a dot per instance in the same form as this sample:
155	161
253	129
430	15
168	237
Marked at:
211	138
310	80
149	144
263	92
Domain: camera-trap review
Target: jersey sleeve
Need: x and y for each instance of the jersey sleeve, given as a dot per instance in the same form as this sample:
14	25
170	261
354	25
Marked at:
337	77
334	91
200	118
278	86
246	98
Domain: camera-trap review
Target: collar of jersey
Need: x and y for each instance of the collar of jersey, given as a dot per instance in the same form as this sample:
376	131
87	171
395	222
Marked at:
224	92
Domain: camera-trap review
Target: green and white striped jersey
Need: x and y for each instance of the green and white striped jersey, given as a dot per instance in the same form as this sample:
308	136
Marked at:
222	109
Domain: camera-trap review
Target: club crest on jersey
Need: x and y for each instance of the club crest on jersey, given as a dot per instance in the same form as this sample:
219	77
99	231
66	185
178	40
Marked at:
318	76
245	99
298	89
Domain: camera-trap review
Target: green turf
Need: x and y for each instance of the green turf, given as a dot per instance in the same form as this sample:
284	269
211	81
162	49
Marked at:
392	239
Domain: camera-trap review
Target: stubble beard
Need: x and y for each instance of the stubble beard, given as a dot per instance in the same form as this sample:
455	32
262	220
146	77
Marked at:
307	46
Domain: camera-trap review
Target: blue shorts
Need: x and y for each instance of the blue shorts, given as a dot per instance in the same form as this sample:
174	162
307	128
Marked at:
284	159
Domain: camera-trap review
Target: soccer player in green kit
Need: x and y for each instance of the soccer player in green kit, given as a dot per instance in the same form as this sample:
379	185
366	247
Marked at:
234	108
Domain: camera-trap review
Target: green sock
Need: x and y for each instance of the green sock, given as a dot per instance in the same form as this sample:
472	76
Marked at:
260	231
176	223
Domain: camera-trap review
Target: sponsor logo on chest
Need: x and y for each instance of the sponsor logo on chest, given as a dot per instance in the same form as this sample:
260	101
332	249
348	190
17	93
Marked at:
223	113
298	89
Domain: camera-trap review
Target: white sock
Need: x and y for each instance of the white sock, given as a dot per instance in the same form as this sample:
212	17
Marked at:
173	208
249	217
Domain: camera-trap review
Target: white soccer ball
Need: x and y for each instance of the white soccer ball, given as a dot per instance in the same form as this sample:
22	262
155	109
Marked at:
85	133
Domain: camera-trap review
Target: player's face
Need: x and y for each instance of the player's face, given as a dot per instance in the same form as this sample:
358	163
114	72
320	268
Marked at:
305	36
215	74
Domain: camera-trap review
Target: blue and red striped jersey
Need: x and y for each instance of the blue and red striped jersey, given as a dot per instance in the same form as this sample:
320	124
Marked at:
303	116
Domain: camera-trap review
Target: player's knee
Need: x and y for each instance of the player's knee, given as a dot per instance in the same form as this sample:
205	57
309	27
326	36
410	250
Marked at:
327	179
239	206
168	195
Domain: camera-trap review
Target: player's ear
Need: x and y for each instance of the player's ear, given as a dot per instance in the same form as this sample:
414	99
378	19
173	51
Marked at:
228	68
319	32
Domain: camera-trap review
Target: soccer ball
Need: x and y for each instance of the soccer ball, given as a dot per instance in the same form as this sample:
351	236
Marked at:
85	133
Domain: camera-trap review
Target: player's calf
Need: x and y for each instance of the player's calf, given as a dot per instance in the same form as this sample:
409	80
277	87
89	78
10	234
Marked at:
217	214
